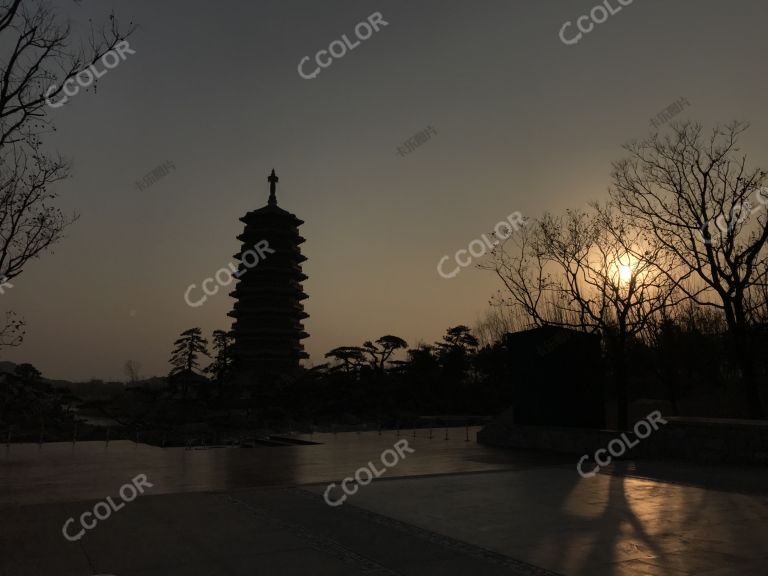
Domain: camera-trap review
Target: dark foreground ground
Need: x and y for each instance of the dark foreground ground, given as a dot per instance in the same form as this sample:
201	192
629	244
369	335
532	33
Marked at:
451	507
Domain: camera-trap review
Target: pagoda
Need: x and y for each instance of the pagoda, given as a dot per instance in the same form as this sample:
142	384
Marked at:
268	311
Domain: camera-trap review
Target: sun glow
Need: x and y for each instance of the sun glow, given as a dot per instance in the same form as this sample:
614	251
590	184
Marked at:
625	273
623	270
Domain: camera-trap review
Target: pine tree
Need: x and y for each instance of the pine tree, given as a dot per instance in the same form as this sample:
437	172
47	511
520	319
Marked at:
184	358
221	367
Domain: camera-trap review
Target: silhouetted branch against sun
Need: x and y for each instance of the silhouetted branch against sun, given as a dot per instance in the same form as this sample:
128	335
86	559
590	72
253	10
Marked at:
591	270
676	190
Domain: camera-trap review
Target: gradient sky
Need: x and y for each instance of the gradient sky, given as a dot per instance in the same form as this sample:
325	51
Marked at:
523	123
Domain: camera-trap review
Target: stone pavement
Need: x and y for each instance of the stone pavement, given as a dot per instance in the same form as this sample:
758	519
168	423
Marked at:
608	525
494	512
263	531
63	471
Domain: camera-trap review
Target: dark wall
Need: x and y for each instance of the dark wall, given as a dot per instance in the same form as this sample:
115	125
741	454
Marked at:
557	377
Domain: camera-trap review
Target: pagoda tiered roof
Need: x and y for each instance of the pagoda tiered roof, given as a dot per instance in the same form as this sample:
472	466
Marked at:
268	311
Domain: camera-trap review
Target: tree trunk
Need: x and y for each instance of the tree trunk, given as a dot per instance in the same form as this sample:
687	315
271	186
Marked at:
669	377
749	383
620	384
622	398
742	356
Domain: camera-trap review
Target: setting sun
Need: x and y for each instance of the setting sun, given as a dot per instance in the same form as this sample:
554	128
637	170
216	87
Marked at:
625	273
623	270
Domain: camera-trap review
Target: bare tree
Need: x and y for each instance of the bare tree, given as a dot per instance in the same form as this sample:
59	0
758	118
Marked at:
132	369
28	223
40	61
497	321
12	330
590	271
697	198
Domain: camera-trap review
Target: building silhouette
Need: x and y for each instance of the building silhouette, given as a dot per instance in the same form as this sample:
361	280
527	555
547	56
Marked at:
268	311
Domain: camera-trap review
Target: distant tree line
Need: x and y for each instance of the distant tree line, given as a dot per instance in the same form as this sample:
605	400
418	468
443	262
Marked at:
366	382
27	401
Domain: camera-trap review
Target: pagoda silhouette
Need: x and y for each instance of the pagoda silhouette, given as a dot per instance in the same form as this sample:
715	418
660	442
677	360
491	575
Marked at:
268	311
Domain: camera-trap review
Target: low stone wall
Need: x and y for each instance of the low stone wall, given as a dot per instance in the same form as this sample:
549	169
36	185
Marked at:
705	440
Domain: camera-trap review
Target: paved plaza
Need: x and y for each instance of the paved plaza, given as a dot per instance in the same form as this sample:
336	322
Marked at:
450	507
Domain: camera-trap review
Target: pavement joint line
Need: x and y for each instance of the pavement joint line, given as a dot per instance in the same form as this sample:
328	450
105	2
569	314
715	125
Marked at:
425	476
521	568
87	556
319	543
610	471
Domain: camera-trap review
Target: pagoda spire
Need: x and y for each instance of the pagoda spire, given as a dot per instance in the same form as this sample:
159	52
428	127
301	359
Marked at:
273	180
